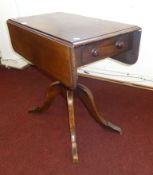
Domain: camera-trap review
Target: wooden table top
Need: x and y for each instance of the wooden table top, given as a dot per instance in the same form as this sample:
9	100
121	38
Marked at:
74	29
59	43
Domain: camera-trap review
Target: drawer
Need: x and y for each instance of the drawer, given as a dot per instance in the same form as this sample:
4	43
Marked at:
105	48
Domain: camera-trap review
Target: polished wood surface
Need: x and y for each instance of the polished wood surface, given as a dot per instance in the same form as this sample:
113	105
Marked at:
70	102
59	43
105	48
86	97
52	92
74	28
53	58
55	89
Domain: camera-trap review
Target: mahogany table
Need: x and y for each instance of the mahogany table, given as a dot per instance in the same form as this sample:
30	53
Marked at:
59	43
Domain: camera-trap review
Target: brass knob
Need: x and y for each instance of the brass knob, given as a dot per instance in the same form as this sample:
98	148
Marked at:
119	44
94	52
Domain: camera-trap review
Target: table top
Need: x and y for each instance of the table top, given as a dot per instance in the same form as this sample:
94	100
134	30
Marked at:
59	43
74	29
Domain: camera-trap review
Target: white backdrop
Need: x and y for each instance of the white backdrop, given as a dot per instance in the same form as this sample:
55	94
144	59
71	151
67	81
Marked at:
128	11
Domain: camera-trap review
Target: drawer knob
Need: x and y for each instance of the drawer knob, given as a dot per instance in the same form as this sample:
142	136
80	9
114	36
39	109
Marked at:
94	52
119	44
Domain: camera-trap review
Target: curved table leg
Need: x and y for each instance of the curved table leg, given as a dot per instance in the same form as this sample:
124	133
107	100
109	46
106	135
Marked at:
52	92
87	98
70	103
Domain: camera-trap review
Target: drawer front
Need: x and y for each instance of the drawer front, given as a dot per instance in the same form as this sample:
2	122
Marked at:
106	48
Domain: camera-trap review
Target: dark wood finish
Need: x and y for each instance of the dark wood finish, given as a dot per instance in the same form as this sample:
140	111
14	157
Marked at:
105	48
53	58
70	102
74	29
86	97
52	92
59	43
55	89
131	55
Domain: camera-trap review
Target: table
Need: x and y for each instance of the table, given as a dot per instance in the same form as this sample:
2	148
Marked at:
59	43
